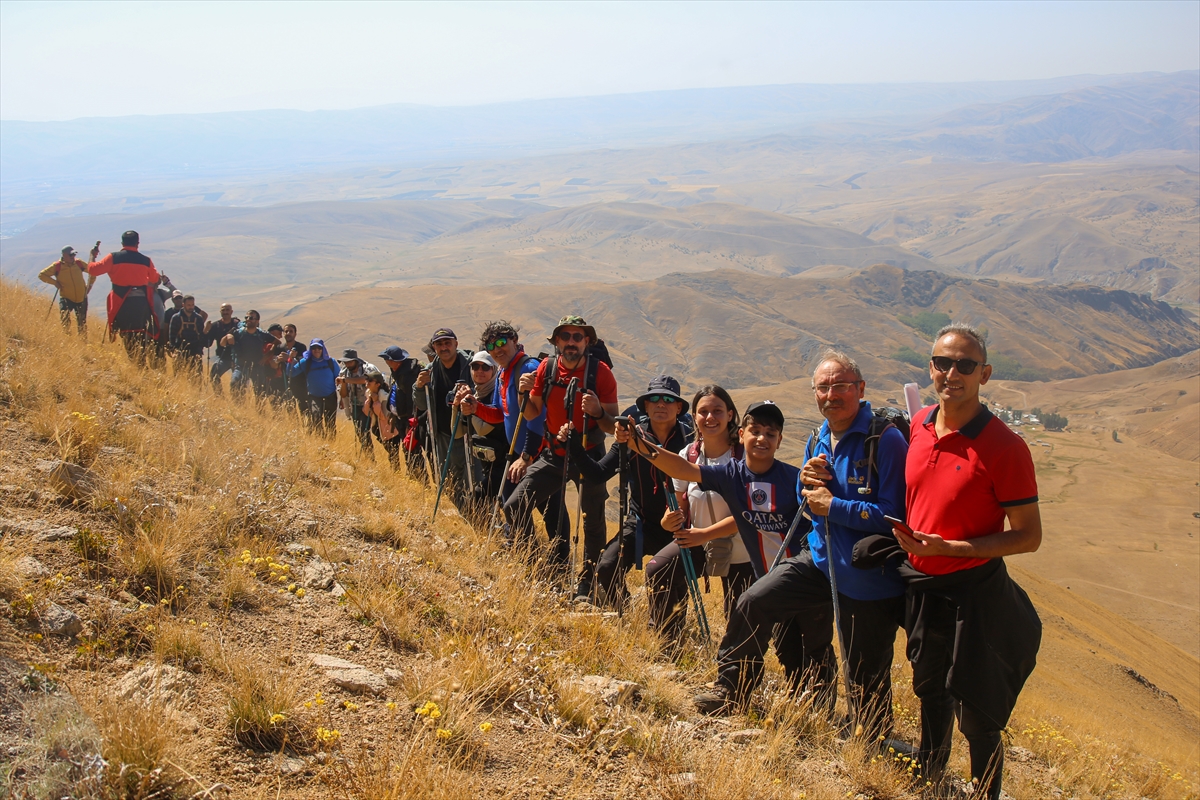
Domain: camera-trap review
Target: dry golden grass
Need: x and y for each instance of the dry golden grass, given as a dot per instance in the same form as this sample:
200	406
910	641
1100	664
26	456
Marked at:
187	548
263	703
143	747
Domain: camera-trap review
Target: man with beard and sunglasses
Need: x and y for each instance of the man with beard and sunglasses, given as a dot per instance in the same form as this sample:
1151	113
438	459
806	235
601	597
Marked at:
973	634
594	414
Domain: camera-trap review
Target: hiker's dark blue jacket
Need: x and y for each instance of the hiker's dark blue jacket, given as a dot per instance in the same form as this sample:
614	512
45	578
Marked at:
853	516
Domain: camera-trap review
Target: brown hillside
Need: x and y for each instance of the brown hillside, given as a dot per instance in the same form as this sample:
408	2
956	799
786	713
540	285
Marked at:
274	257
1156	405
742	330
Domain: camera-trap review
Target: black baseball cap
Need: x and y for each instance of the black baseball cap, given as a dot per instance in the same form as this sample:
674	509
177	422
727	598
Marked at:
765	411
442	333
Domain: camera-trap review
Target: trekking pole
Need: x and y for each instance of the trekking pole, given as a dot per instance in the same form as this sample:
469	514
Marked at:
512	448
579	486
837	618
52	299
569	404
467	452
689	571
579	496
787	540
446	463
431	424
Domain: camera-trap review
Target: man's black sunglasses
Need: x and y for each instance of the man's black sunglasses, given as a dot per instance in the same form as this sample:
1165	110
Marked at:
965	365
661	398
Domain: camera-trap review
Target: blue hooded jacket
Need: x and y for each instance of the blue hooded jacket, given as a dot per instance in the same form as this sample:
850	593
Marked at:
319	372
852	515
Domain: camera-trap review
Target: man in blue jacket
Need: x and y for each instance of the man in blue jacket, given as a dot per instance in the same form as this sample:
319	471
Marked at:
842	492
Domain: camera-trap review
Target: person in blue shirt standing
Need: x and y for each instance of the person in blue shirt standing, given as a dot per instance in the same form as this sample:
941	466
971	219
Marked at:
849	496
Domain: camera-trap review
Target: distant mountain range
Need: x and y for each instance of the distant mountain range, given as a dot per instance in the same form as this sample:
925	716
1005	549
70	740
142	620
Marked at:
191	146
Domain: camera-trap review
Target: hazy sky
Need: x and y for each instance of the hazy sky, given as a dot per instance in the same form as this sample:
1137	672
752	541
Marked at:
67	60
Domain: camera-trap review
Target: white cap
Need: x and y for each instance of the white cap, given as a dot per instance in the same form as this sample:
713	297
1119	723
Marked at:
483	358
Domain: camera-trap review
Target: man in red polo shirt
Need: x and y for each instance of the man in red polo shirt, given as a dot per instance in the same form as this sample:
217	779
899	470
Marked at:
973	634
594	412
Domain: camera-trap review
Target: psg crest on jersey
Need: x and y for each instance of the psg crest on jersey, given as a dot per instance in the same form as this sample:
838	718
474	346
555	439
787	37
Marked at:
762	496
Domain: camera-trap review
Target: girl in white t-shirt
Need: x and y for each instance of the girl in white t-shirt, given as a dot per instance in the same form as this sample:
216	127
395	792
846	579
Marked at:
725	556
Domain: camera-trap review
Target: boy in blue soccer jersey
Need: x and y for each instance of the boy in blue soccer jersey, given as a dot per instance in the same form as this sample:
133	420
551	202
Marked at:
761	493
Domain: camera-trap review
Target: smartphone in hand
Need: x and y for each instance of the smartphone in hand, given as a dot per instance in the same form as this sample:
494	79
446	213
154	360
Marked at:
899	525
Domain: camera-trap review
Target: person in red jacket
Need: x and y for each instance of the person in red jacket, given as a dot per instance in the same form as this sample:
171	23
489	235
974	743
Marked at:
130	303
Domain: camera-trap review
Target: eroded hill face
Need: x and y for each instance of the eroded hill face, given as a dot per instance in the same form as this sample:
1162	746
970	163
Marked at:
744	330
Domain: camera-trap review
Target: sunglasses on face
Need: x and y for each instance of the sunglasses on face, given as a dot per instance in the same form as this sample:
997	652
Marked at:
965	365
495	344
478	366
661	398
572	337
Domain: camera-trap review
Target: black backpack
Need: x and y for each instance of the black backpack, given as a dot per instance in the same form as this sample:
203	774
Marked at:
881	419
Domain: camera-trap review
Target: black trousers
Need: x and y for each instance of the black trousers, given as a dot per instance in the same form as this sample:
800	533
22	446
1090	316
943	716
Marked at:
939	707
324	414
792	604
619	556
540	489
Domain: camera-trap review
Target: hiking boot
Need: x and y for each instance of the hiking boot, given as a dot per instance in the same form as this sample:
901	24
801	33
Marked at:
717	701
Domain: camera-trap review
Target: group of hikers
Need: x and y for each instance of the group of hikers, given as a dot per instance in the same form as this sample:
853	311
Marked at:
890	521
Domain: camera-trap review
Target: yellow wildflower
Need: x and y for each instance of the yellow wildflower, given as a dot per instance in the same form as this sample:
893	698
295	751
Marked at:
328	736
485	726
299	593
346	704
444	733
277	718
